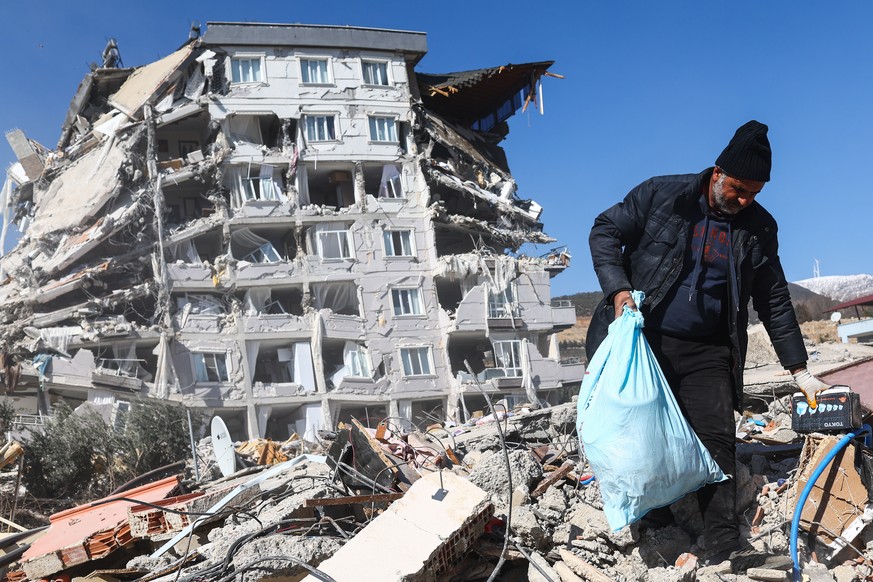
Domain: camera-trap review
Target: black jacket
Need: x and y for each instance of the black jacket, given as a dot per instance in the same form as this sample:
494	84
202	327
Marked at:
640	243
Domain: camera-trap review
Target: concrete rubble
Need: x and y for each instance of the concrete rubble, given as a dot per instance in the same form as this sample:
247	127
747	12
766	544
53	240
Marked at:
291	229
435	503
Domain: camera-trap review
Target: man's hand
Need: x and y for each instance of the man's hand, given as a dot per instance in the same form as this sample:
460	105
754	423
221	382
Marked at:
809	385
621	299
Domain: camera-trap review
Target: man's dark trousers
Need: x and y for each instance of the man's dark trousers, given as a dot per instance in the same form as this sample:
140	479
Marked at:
698	371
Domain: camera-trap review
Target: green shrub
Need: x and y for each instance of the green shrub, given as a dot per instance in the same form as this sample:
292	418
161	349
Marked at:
80	456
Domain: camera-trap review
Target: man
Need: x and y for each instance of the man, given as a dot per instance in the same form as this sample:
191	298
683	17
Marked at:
699	246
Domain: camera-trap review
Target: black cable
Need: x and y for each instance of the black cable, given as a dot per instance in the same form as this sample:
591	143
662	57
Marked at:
314	571
502	559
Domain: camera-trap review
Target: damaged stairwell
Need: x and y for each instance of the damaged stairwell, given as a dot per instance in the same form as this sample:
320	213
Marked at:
286	226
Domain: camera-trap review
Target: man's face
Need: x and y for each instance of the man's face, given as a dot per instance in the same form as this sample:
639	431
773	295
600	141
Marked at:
729	195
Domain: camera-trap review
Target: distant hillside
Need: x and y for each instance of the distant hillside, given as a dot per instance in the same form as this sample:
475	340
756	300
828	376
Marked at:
840	287
585	303
808	306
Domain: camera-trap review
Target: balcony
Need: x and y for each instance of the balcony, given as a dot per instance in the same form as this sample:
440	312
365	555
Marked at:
189	276
339	326
563	314
280	322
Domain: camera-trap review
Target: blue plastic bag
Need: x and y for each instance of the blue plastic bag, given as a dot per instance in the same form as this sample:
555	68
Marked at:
640	447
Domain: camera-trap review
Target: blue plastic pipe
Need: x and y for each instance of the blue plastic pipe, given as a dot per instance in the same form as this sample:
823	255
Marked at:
798	507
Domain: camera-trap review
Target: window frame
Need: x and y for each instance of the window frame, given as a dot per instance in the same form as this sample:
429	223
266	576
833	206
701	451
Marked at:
388	237
513	310
372	123
247	57
514	353
389	81
348	243
214	356
409	300
332	116
328	69
359	363
428	352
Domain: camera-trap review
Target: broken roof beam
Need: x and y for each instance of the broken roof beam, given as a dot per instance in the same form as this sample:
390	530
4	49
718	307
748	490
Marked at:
149	82
27	155
101	80
456	138
452	182
477	95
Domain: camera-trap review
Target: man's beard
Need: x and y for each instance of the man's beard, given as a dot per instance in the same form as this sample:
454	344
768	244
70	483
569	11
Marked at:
720	201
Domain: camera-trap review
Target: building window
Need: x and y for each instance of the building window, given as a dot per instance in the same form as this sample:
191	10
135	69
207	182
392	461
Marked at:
416	361
245	70
406	301
265	253
210	367
375	73
357	363
259	183
398	243
501	304
383	129
391	186
333	242
508	357
319	127
314	71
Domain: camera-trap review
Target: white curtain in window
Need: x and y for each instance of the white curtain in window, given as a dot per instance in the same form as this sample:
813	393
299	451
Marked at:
59	337
245	129
356	360
302	185
526	375
200	373
304	374
263	417
183	251
330	240
243	242
313	421
317	334
335	296
125	356
255	300
271	188
390	186
404	409
165	374
252	348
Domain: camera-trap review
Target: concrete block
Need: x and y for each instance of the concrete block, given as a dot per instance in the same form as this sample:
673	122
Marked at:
434	523
534	574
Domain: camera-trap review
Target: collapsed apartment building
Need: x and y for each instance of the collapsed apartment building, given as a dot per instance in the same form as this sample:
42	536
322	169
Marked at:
286	226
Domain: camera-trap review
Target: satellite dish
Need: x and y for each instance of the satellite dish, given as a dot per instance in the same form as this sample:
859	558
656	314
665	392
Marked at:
836	316
225	456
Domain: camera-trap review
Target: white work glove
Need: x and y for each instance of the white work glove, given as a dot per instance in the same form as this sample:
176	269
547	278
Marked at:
809	385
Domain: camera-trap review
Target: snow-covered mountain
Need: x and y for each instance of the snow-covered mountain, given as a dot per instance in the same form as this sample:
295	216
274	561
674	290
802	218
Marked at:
840	287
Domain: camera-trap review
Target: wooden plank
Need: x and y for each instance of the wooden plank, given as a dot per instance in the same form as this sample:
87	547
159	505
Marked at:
553	478
583	568
379	497
12	524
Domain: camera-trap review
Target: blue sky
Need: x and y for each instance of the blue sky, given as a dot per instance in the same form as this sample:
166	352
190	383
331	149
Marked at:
651	88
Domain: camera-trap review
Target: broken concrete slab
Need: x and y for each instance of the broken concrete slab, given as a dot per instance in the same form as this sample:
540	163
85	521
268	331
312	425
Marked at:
435	522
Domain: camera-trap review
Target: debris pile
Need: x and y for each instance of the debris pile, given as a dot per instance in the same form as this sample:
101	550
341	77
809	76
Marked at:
445	496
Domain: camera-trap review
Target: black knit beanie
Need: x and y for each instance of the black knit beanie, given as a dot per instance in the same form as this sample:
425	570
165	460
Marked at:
747	156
